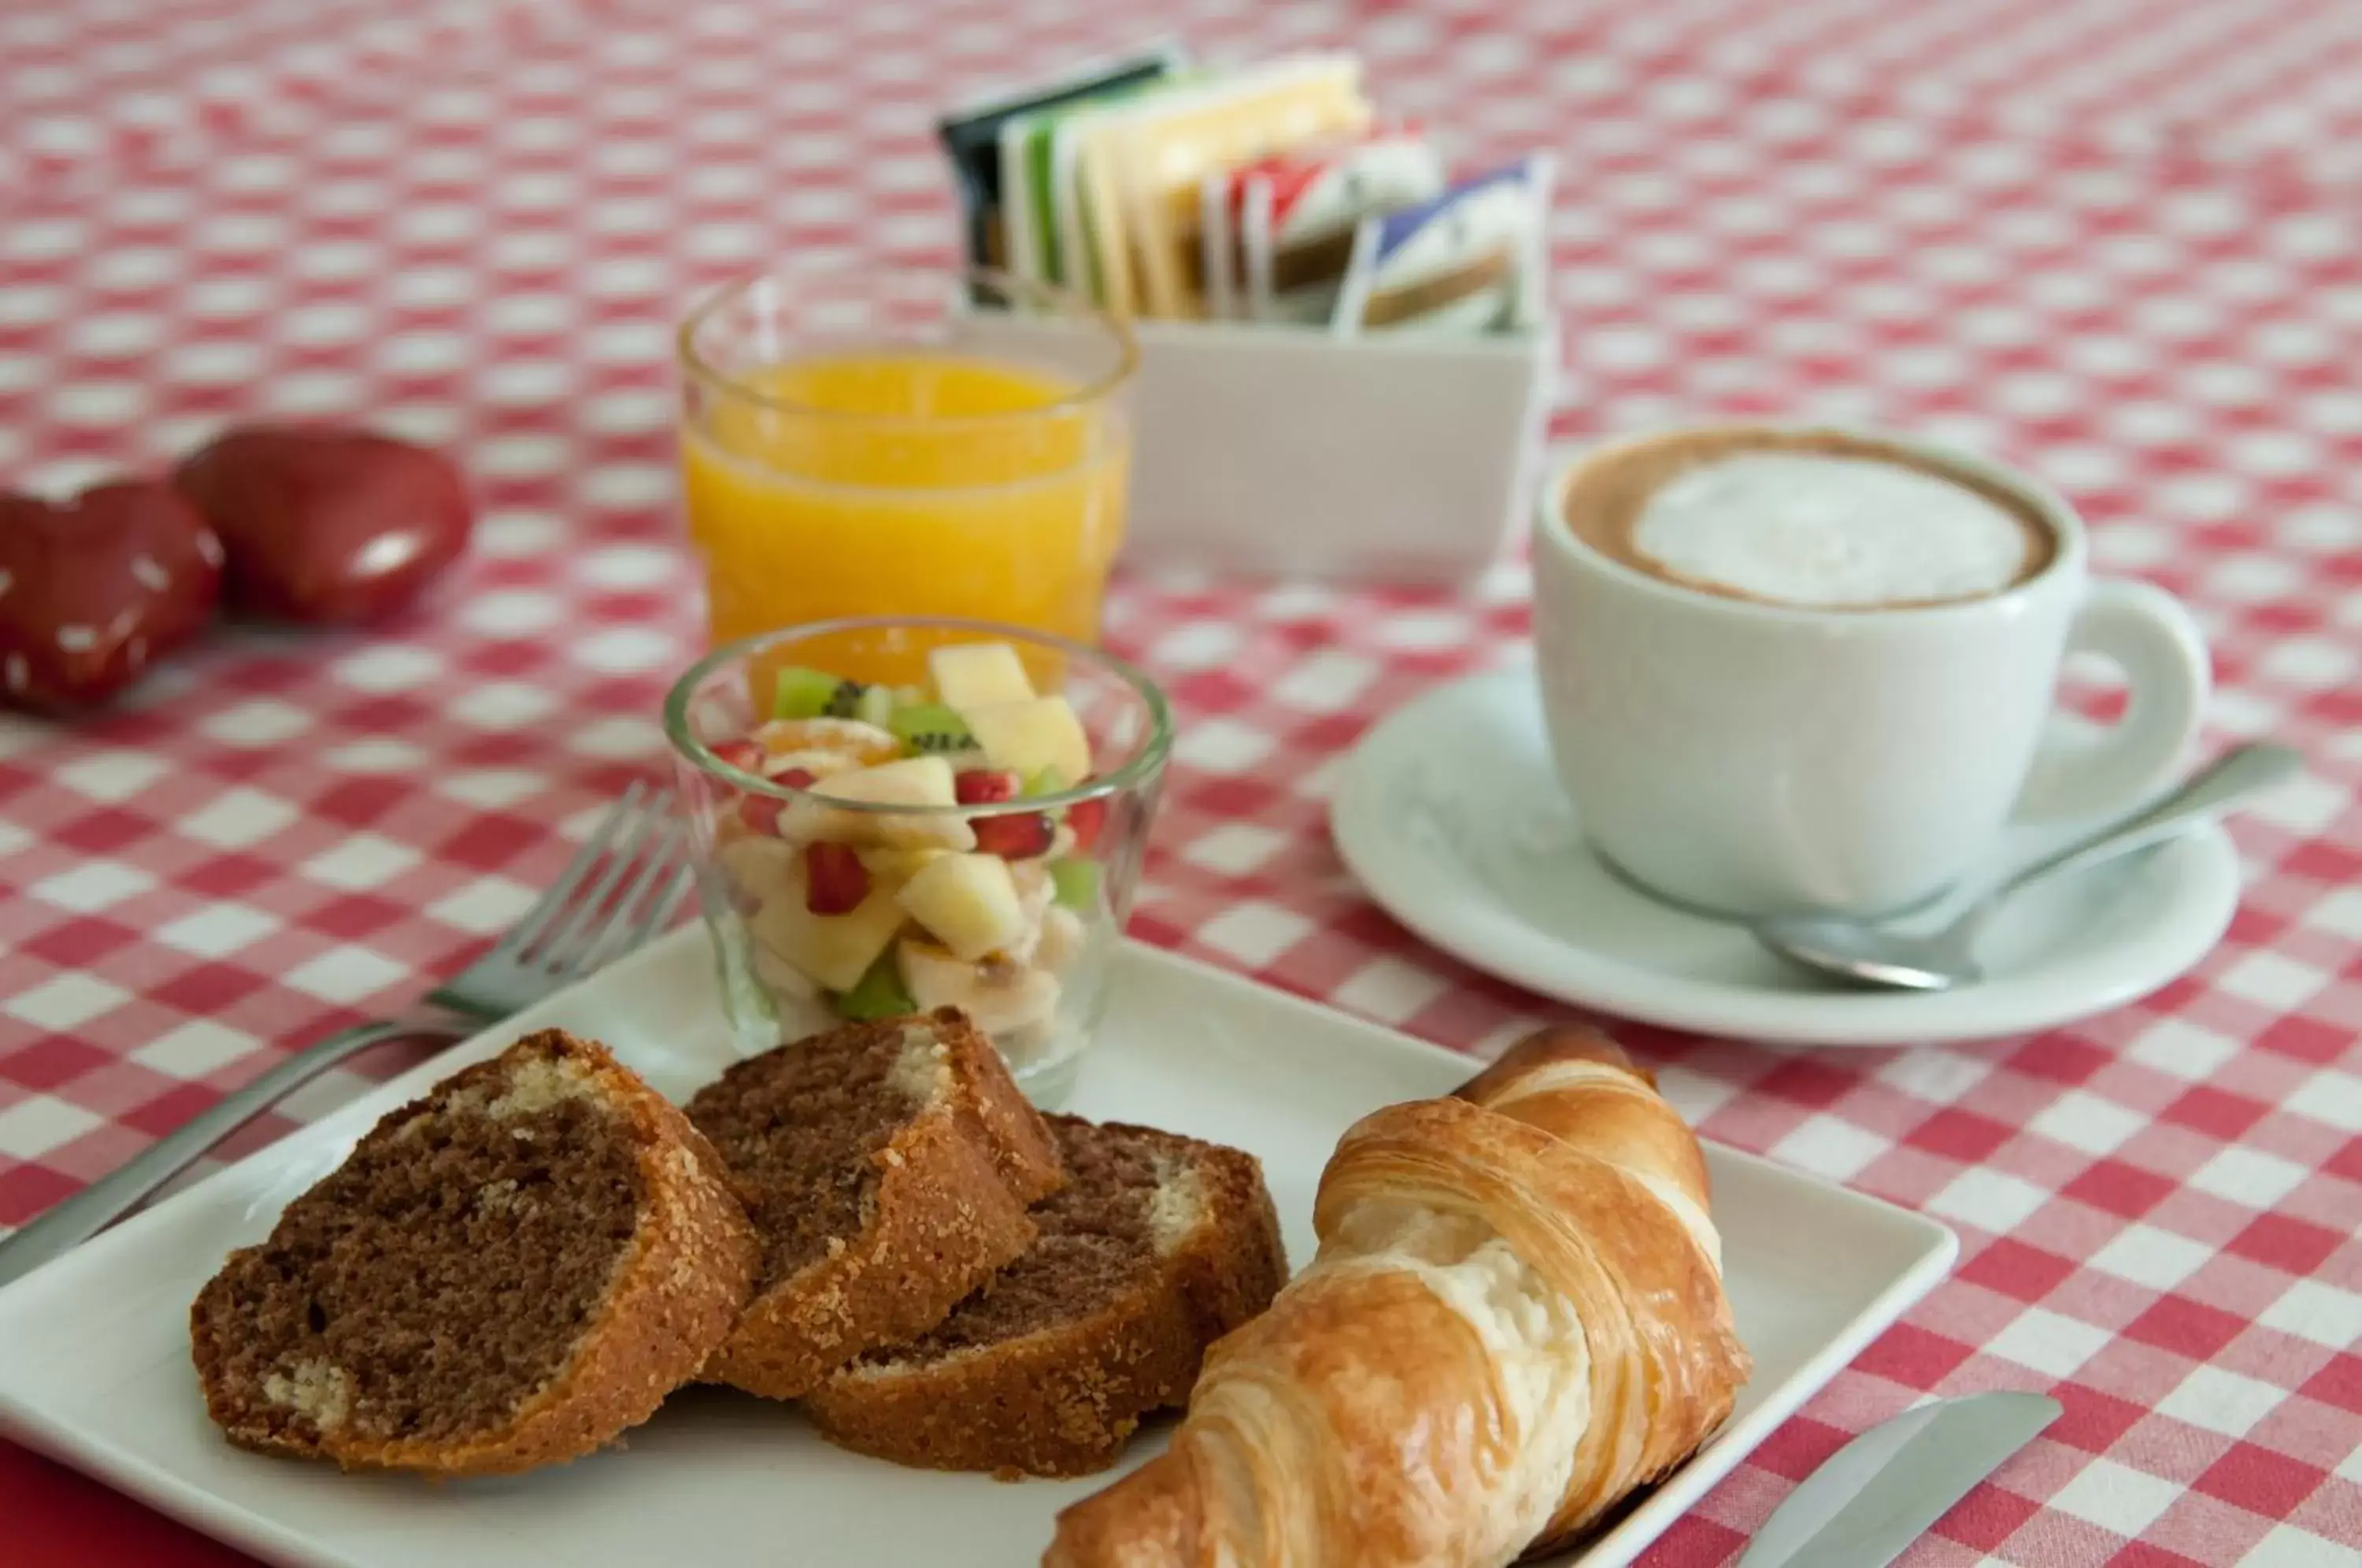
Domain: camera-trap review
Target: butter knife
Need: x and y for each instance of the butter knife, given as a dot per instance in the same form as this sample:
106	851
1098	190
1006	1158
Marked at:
1887	1487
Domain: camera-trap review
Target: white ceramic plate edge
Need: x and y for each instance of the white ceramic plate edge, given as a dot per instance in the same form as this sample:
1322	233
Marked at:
1487	937
327	1139
1722	1453
135	1477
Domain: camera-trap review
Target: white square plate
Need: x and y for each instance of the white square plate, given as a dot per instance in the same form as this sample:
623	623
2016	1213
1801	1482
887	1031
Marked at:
94	1362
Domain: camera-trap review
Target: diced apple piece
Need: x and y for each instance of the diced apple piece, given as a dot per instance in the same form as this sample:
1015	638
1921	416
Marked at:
1034	893
897	863
1039	733
977	675
999	997
968	903
912	781
1034	890
780	977
917	781
835	951
1062	939
763	867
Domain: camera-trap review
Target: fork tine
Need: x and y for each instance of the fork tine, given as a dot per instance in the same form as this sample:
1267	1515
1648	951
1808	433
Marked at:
587	918
546	907
667	904
637	913
598	944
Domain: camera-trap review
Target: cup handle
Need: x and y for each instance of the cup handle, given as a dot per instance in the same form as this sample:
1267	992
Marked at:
2148	634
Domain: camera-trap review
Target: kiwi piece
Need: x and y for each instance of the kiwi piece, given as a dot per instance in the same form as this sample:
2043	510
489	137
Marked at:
798	692
879	993
1047	782
872	705
1075	883
929	727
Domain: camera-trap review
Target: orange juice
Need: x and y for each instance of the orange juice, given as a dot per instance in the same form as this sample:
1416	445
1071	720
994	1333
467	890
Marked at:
904	483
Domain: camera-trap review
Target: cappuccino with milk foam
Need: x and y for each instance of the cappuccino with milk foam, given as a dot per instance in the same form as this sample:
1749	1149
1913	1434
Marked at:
1788	669
1810	522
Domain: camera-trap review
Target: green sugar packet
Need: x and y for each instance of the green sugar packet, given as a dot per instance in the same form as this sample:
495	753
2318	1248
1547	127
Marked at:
971	138
1028	203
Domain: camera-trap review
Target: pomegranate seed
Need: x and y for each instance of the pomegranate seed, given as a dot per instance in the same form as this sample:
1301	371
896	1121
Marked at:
983	786
1019	837
743	755
760	813
834	879
1085	819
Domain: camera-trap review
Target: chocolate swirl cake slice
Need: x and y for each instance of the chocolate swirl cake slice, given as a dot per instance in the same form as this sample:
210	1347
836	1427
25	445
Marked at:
1157	1246
887	1167
507	1273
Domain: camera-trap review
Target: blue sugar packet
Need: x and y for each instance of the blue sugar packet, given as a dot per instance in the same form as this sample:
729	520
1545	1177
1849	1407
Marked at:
1473	260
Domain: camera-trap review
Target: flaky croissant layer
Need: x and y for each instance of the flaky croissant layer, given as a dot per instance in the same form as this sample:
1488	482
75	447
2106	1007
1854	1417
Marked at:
1516	1317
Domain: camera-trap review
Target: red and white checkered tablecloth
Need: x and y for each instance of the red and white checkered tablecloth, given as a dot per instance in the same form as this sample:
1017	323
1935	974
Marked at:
2117	240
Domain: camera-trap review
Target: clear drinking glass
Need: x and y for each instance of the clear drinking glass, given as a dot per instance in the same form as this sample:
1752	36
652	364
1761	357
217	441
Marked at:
1021	933
867	441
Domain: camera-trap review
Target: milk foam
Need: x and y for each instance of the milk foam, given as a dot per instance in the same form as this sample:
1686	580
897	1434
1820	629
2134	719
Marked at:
1814	530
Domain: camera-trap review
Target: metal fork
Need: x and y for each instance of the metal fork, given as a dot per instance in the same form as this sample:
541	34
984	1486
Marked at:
582	922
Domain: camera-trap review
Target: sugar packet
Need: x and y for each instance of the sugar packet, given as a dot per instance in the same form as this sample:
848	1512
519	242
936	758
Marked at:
1092	221
1044	243
1153	160
1219	264
1305	206
971	139
1473	260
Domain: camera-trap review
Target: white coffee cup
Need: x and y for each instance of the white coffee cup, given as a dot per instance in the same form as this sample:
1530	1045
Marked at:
1753	758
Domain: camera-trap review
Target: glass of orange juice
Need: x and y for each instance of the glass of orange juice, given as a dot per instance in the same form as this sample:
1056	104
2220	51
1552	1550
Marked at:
863	442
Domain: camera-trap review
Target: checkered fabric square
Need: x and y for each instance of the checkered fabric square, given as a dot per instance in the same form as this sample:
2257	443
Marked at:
2119	241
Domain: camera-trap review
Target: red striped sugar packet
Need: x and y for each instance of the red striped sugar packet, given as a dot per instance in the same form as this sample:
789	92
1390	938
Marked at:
1292	214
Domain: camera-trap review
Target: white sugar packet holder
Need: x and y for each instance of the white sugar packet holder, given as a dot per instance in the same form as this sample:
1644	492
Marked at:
1278	450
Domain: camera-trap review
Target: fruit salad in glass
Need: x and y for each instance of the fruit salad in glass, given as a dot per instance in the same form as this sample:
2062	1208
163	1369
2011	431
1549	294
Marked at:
963	833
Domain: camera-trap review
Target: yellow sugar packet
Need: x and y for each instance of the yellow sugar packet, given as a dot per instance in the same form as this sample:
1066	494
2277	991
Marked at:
1105	237
1088	217
1157	156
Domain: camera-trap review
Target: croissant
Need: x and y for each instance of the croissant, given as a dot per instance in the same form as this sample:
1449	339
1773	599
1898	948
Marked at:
1516	1318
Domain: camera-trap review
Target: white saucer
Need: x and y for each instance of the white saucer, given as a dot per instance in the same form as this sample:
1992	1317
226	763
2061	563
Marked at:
1450	814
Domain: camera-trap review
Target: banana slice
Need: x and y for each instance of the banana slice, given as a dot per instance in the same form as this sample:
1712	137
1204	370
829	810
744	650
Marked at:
913	781
997	994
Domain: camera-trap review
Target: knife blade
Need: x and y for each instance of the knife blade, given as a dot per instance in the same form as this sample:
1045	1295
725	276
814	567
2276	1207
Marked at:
1887	1487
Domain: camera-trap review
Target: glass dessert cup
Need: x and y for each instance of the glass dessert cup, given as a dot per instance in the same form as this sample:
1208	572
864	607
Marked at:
970	837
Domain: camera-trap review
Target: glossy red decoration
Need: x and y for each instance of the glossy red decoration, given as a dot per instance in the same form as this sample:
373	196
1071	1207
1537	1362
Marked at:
96	589
325	527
